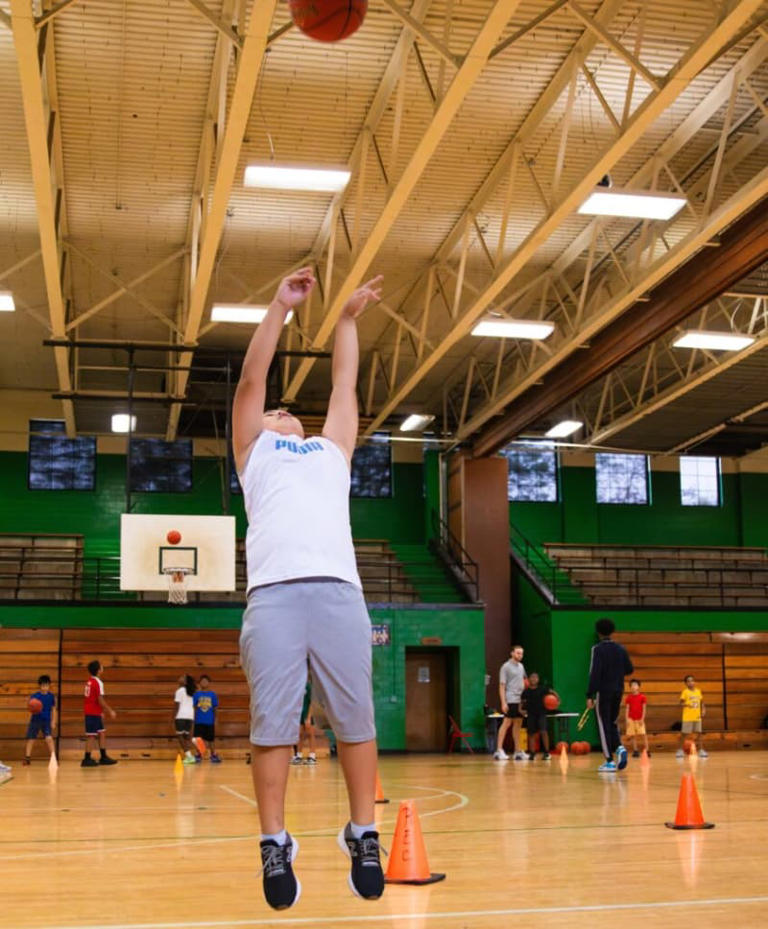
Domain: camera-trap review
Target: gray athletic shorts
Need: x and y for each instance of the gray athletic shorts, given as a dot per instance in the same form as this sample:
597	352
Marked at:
322	619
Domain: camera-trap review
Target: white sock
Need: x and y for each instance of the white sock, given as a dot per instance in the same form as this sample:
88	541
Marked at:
280	837
357	831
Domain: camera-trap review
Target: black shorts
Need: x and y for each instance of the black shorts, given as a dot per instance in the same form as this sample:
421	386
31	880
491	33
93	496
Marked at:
36	726
536	723
513	711
206	731
184	725
94	725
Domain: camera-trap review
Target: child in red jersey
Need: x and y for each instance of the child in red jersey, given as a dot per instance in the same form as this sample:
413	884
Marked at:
95	704
636	703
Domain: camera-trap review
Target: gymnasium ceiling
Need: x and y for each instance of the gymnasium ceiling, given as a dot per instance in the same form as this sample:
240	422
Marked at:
473	131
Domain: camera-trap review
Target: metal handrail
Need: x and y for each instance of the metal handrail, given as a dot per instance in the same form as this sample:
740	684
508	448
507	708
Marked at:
542	570
462	567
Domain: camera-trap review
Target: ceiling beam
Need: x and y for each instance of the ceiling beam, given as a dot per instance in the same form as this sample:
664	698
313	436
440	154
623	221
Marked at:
46	179
699	56
468	73
743	247
249	66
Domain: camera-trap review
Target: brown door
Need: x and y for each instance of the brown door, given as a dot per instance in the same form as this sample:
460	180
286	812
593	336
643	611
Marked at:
426	700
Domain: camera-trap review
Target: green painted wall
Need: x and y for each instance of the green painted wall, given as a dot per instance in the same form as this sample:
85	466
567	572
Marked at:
458	629
96	514
742	519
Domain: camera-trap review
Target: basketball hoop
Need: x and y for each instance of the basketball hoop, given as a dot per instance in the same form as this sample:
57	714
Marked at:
177	584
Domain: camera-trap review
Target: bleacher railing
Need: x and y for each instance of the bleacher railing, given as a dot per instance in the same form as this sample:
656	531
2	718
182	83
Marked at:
541	571
462	568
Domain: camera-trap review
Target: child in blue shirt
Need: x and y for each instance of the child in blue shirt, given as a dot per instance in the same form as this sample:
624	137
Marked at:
43	722
205	702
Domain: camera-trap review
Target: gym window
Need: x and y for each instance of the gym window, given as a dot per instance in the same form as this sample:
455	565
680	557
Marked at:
55	462
621	478
531	473
699	481
161	467
372	468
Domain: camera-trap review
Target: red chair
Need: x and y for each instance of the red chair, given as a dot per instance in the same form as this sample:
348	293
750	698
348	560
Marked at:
457	735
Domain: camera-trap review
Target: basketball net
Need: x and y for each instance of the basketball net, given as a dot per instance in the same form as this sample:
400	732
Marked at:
177	584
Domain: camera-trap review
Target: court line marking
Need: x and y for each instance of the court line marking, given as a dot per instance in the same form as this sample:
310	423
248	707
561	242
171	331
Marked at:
178	843
235	793
447	914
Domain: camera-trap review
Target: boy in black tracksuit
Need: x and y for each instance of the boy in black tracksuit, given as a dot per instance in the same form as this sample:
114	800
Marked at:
609	665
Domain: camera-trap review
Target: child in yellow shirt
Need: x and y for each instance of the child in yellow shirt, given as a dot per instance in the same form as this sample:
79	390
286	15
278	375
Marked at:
694	711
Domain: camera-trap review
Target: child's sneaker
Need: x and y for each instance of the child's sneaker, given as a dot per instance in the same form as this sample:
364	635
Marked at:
26	763
312	759
531	756
500	755
546	757
607	767
679	753
366	879
297	759
621	758
189	759
215	758
88	762
281	886
703	753
521	756
635	754
106	760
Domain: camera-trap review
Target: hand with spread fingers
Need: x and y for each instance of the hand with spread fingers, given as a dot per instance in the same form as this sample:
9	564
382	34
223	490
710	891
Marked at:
295	288
370	292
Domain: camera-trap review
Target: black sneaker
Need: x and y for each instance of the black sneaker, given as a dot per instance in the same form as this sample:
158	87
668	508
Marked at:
366	879
281	886
635	754
105	759
89	763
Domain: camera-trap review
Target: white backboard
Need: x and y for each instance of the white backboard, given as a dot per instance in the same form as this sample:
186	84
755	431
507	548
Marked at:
207	546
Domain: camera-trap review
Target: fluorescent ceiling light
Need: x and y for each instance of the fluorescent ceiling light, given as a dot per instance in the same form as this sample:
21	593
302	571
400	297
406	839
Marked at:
632	204
6	302
242	313
416	422
120	422
499	328
293	177
720	341
563	429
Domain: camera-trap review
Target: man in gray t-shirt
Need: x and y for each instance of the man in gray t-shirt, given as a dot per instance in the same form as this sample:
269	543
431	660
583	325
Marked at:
511	687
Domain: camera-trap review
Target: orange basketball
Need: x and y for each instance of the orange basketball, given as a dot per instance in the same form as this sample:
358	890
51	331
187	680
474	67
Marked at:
576	748
551	702
688	746
586	748
174	537
35	705
328	20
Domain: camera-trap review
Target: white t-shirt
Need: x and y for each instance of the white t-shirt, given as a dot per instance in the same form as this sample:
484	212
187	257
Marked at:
512	676
296	494
186	707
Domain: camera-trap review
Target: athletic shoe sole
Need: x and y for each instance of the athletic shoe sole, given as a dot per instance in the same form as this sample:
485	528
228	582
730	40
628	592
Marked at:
622	755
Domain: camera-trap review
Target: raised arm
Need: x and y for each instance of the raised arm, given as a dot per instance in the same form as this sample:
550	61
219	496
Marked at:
248	407
341	420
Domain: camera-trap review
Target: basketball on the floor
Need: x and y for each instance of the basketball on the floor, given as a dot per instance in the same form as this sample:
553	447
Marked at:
35	705
688	746
551	702
328	20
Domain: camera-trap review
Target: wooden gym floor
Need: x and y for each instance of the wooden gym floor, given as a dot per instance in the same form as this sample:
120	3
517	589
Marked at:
140	846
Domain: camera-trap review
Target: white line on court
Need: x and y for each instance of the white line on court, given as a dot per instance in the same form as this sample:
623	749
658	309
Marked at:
237	794
109	850
446	914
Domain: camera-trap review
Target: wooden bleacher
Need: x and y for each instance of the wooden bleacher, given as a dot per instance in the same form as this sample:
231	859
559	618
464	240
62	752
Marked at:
38	566
731	670
660	575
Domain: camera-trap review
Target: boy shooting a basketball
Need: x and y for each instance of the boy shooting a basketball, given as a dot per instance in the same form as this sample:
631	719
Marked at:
304	594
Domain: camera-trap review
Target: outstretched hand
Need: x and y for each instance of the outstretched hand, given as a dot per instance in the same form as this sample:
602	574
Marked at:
370	292
295	288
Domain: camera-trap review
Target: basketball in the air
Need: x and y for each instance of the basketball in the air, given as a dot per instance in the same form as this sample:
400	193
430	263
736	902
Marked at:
328	20
174	537
35	705
551	702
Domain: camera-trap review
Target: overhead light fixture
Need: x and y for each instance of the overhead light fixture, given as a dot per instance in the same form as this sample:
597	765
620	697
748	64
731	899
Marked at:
6	302
242	313
121	421
497	327
719	341
632	204
294	177
563	429
416	422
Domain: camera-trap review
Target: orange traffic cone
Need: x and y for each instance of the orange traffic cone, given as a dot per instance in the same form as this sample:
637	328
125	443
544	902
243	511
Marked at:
644	759
380	798
408	857
200	745
689	815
